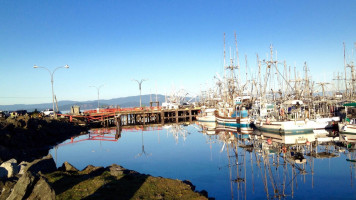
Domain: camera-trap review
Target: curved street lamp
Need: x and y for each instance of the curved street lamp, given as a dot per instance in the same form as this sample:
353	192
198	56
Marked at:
98	89
139	87
51	74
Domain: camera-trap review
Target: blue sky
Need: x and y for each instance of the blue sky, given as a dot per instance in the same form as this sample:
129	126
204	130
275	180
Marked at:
172	43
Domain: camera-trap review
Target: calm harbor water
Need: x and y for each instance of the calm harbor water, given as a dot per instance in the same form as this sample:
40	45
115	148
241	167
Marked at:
224	162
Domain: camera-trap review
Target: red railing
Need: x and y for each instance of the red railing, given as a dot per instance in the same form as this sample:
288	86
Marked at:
92	137
113	110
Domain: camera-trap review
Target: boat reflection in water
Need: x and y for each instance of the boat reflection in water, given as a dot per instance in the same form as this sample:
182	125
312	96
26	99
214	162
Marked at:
228	162
277	160
274	160
349	140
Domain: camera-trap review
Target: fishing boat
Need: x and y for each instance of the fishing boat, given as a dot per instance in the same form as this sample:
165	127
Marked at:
325	122
237	116
349	125
348	128
291	122
285	127
207	115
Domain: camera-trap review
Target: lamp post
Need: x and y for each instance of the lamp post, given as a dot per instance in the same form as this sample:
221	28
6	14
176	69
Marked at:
139	87
98	90
51	74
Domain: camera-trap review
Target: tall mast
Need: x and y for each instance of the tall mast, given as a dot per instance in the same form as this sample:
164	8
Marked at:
237	61
268	69
323	84
345	70
232	75
338	78
224	59
225	78
306	82
295	78
259	79
259	73
246	68
286	75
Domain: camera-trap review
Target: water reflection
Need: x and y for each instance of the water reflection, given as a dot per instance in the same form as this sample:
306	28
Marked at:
350	152
278	165
228	162
143	147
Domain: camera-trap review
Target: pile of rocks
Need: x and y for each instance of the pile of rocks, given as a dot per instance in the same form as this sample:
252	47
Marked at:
25	180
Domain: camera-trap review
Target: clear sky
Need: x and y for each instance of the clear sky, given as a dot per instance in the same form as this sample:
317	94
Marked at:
173	43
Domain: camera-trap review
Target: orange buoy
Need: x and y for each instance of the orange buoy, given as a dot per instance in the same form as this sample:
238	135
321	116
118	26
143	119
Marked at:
282	112
284	149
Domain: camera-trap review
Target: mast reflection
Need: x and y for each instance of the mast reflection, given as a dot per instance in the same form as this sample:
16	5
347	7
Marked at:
273	159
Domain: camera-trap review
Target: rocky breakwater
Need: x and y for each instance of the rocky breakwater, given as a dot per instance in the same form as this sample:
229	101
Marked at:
26	180
26	138
41	179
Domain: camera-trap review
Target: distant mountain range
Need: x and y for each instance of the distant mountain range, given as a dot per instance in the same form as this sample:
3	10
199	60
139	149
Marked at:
132	101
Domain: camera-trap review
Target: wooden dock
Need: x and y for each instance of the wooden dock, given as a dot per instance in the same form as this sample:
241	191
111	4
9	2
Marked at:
134	116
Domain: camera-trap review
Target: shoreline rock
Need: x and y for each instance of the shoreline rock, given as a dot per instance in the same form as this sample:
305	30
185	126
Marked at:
9	168
39	180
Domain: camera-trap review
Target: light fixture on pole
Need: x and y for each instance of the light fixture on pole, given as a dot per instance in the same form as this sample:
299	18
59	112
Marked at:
98	90
139	87
51	74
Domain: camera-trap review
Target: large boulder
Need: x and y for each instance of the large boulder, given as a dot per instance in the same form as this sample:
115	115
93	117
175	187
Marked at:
93	170
9	168
23	185
22	167
42	190
44	165
116	170
67	167
32	186
6	188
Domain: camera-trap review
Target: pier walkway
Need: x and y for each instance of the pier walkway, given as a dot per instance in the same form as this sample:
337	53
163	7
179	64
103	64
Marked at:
134	116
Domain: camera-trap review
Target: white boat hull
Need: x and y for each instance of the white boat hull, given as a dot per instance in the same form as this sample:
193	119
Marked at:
233	121
285	127
206	118
207	115
324	123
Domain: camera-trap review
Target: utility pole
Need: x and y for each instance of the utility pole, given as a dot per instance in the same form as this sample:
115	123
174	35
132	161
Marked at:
98	90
